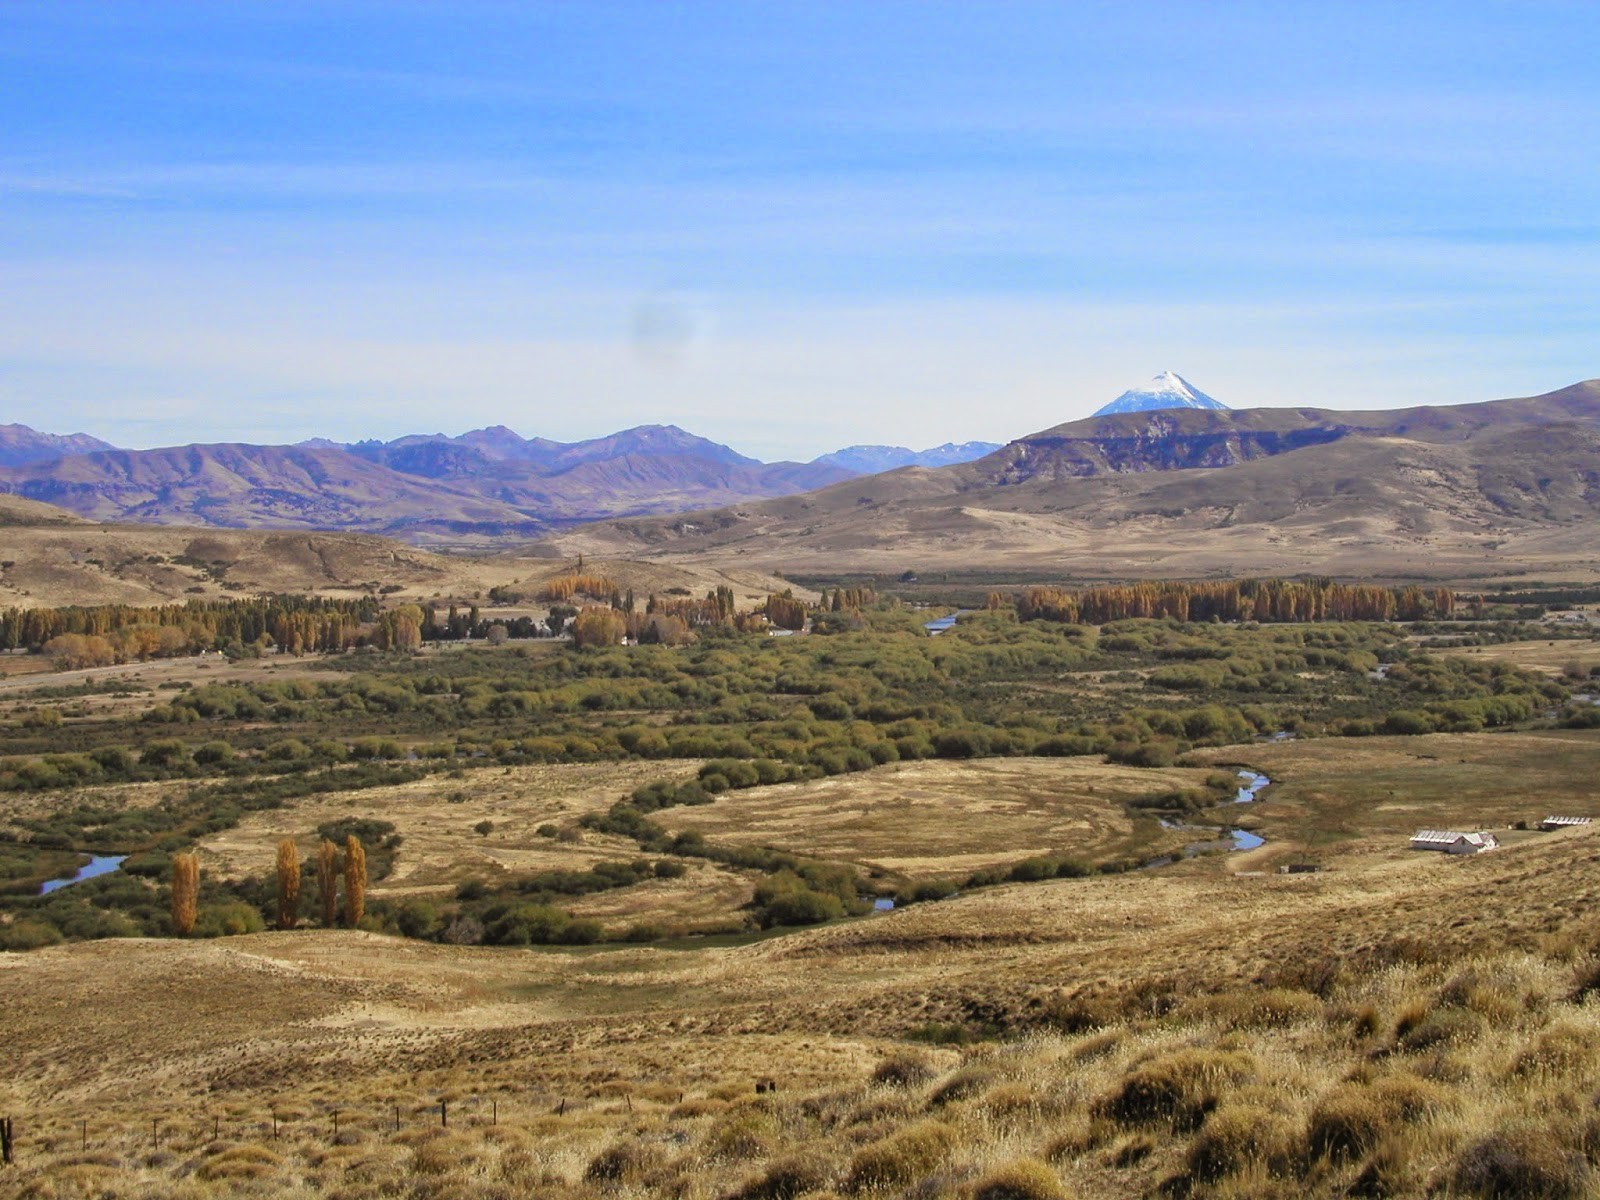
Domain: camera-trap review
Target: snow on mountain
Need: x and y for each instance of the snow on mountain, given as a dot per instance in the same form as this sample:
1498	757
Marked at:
1166	390
873	460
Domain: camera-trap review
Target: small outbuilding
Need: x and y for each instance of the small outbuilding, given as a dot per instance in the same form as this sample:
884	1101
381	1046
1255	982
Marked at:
1550	823
1451	841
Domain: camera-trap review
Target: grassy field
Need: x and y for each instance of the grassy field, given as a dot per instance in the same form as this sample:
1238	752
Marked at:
1553	657
1377	791
950	818
1189	1029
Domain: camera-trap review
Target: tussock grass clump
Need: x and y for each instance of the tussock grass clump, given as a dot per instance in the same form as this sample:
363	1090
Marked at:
1443	1027
788	1177
1018	1103
741	1134
1403	1096
1272	1008
1024	1179
1179	1088
1098	1046
623	1163
1240	1137
1345	1124
906	1069
962	1085
1525	1162
1567	1049
902	1157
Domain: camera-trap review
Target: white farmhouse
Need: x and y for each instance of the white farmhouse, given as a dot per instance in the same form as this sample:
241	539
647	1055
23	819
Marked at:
1450	841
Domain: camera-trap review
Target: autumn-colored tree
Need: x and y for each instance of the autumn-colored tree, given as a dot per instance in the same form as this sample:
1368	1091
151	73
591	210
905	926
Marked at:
288	884
185	892
355	881
567	587
328	882
596	626
786	612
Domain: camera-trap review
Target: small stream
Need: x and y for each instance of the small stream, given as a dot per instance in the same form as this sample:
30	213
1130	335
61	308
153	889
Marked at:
97	865
1251	786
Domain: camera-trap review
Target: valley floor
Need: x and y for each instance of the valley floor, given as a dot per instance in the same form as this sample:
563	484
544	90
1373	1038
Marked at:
1401	1023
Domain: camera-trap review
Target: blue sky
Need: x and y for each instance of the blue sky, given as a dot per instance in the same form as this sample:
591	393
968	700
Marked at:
786	227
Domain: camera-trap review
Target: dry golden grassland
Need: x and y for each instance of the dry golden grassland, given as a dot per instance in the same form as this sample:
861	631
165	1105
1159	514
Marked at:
1407	1033
1398	1024
948	818
1553	657
1342	795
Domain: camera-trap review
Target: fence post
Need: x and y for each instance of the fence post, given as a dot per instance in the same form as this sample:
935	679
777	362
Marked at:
397	1118
444	1114
85	1125
336	1124
7	1145
216	1129
494	1112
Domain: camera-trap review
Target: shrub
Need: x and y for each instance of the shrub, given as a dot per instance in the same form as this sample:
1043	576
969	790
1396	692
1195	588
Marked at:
902	1158
1023	1179
28	934
229	920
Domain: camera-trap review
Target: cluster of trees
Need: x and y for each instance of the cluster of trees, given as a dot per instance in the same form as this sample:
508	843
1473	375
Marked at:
785	611
351	867
581	585
131	632
1271	600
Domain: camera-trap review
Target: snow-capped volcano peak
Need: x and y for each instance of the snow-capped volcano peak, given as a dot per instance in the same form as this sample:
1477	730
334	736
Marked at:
1166	390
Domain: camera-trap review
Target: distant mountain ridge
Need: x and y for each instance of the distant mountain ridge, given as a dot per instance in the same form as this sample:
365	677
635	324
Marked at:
871	460
1166	390
477	487
20	445
1495	487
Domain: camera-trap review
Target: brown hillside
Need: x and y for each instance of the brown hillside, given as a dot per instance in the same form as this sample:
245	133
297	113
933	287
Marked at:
1500	488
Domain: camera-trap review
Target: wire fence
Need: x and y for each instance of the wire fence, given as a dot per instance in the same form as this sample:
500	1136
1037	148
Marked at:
181	1132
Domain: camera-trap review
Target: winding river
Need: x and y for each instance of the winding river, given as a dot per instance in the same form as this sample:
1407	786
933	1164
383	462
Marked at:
97	865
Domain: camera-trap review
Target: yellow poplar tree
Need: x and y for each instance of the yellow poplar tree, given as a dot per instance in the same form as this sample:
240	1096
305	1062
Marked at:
355	881
288	884
328	881
185	892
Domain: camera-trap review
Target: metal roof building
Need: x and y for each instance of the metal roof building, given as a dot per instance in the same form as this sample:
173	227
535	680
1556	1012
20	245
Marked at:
1452	841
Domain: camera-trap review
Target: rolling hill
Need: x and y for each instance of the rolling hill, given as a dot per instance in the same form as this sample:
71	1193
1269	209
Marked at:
1463	491
51	558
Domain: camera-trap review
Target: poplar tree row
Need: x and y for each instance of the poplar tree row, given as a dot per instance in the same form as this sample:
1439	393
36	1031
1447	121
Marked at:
316	622
1268	600
332	867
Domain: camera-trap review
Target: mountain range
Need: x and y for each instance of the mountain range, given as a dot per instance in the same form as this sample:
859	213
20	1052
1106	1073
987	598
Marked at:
1455	491
483	486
